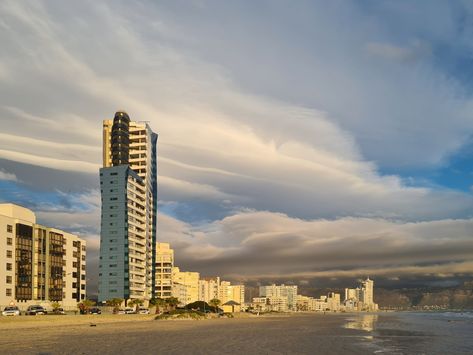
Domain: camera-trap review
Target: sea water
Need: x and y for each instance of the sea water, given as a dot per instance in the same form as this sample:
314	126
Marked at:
416	332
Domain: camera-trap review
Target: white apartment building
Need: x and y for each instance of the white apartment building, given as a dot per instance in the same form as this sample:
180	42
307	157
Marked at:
39	264
287	291
229	292
209	289
163	270
185	286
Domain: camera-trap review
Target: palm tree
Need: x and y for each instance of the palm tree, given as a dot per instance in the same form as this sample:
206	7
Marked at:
115	303
172	302
215	302
158	302
135	302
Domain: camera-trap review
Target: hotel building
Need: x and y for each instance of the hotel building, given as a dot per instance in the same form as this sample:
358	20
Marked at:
128	183
39	264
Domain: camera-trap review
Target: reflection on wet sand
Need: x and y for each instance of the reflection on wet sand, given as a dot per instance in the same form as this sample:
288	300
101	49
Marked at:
366	322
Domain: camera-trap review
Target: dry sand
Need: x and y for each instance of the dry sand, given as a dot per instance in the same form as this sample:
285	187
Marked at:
140	334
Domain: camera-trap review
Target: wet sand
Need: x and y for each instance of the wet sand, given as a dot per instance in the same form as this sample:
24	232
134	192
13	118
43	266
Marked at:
297	334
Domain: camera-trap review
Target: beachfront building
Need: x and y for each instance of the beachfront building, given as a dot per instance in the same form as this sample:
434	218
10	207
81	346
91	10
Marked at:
128	183
39	264
285	291
185	286
270	304
163	270
333	302
361	298
209	289
229	292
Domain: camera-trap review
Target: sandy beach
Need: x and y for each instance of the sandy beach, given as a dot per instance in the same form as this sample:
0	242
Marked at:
280	334
135	334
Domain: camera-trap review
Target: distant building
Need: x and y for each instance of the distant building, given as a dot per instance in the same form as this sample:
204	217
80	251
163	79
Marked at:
163	270
286	291
361	298
229	292
185	286
39	264
209	289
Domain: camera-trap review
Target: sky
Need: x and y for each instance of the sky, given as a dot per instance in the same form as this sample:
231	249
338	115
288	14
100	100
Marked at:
306	142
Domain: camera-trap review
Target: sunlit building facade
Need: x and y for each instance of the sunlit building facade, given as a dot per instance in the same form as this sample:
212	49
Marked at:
39	264
128	182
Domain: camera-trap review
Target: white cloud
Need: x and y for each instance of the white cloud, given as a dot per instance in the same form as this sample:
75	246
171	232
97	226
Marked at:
7	176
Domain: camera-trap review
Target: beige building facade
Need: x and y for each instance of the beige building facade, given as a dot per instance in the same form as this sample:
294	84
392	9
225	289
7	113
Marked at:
185	286
39	264
163	270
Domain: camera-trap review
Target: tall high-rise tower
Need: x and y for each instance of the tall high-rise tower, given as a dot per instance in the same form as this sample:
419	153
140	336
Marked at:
128	183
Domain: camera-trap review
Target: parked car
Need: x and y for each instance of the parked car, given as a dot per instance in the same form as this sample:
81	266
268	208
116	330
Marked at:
121	311
58	311
11	311
129	310
143	311
95	310
34	310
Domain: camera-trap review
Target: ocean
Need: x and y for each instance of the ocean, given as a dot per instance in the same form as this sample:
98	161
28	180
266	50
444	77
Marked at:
415	332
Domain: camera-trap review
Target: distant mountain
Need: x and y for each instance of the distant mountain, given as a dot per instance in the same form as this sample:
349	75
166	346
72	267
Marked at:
460	297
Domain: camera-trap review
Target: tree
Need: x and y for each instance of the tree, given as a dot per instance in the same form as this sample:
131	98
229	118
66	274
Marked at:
85	305
215	302
115	303
135	302
172	302
55	306
158	303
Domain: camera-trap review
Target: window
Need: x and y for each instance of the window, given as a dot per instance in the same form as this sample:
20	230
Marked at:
74	285
9	254
9	279
9	241
9	228
113	199
112	274
9	266
113	174
74	264
111	265
8	292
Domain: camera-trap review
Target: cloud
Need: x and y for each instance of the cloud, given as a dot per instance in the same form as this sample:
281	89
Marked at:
263	245
7	176
265	158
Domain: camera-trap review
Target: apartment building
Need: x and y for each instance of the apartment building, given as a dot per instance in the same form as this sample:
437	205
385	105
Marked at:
209	289
128	182
185	286
39	264
163	270
229	292
287	291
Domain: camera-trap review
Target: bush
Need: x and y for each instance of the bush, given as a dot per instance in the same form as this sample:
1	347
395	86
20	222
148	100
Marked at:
181	314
